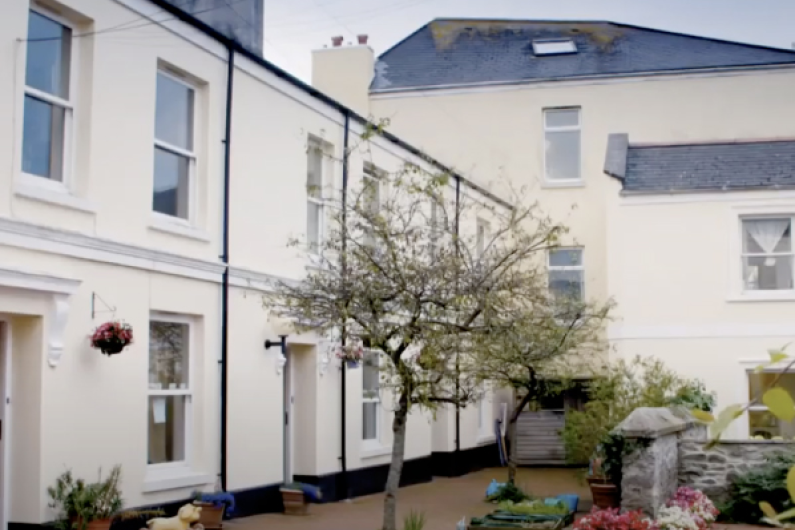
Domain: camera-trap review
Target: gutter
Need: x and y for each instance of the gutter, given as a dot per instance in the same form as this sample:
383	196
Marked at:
225	278
457	367
345	111
343	371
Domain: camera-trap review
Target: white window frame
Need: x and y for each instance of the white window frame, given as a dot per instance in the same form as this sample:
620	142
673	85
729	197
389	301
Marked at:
65	184
568	128
369	444
563	268
192	156
373	175
314	142
765	293
183	466
482	235
748	370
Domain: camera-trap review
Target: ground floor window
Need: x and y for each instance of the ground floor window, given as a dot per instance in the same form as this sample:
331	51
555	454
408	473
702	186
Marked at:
371	397
760	421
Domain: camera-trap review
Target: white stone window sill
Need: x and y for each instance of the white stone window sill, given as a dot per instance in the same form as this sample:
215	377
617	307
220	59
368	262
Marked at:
763	296
484	439
53	193
174	478
374	451
177	227
563	184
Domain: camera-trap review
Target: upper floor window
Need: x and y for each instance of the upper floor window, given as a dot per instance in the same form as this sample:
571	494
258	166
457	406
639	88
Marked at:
562	145
767	254
48	105
371	397
315	179
566	273
170	390
481	237
371	199
175	156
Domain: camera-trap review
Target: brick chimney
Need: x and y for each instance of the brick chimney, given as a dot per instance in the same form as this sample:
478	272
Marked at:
344	72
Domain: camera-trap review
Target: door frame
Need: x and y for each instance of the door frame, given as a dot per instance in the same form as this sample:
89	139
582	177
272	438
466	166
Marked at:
5	403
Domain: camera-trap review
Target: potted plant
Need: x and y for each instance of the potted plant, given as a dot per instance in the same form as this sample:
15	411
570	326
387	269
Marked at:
86	506
112	337
214	507
605	478
351	354
295	496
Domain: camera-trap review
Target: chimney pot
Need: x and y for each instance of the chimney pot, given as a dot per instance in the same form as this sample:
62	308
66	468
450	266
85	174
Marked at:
362	39
336	41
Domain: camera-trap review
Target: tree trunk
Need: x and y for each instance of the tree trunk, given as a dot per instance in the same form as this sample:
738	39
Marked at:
396	466
512	437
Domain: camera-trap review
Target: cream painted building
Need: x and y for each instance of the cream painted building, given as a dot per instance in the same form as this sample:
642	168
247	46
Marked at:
531	104
131	192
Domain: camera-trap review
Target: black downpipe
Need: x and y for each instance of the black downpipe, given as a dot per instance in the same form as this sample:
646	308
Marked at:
343	437
457	383
225	259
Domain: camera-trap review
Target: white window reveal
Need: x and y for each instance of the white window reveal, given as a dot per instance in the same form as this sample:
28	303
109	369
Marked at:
482	237
554	47
566	273
767	254
48	107
371	397
175	155
169	407
761	423
314	195
562	145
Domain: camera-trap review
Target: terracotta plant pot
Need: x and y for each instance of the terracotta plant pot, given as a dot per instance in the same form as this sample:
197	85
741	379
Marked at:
212	515
99	524
605	495
294	502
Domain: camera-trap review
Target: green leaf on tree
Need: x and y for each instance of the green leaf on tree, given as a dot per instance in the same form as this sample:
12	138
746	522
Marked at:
790	484
787	514
767	509
702	416
776	356
780	403
724	419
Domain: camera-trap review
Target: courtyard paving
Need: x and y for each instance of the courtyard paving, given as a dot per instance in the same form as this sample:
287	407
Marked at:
444	501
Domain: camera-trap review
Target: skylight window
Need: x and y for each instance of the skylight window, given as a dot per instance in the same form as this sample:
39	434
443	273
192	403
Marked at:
554	47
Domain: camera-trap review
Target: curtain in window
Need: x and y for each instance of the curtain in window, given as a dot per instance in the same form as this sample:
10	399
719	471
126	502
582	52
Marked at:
767	233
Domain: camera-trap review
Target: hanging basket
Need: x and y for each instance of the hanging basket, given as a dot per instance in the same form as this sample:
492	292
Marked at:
111	347
112	337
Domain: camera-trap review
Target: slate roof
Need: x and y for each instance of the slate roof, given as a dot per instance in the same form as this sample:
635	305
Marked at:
451	52
738	165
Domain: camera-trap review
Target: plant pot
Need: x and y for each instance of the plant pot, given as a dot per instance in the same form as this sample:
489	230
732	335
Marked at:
212	515
596	480
294	502
352	364
605	495
99	524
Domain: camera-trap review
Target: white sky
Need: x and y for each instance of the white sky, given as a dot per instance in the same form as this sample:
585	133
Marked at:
293	28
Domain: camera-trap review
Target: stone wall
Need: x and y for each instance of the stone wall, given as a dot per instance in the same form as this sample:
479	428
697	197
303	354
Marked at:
713	470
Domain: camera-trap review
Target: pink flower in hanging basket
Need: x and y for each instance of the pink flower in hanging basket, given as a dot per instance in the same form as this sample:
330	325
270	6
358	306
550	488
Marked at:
350	352
112	337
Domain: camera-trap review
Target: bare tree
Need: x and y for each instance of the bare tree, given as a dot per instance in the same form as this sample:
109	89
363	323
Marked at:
403	269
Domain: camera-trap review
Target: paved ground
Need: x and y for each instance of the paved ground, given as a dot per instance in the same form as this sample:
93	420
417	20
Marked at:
444	501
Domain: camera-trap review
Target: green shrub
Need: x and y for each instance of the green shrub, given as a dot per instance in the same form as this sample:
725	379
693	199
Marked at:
763	483
694	395
534	508
414	521
508	492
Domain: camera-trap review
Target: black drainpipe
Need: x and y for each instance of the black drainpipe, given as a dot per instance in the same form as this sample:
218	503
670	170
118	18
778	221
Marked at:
343	438
225	259
457	383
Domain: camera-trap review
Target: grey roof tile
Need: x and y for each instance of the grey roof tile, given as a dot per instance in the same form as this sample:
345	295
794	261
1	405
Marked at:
459	52
768	164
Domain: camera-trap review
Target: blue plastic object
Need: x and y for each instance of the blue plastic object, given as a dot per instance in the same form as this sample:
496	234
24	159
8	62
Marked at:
571	500
493	487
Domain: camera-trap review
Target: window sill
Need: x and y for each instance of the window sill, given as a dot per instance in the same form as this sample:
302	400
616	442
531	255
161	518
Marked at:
177	228
549	184
59	196
763	296
175	479
374	451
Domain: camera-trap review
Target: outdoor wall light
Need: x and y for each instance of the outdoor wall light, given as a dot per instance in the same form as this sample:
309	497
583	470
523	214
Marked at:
281	327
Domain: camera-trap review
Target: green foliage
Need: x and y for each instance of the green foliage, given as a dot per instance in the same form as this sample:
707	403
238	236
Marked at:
508	492
414	521
613	449
79	502
762	483
624	386
694	396
534	508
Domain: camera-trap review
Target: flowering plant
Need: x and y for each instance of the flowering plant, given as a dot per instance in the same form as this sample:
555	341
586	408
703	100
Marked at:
112	337
674	517
696	503
353	352
612	519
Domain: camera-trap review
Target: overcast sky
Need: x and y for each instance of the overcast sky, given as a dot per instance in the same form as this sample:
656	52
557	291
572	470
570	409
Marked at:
293	28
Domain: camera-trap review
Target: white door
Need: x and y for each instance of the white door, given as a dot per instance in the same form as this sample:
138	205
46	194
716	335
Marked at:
5	392
288	420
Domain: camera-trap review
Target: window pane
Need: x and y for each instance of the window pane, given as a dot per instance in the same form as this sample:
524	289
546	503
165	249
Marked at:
370	375
171	192
563	155
565	258
314	176
566	283
168	355
762	423
763	236
562	118
42	139
174	113
372	194
313	214
758	382
370	421
167	426
767	273
49	48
